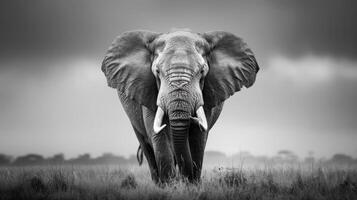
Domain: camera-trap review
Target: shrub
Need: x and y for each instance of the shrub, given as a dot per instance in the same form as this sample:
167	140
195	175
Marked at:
129	182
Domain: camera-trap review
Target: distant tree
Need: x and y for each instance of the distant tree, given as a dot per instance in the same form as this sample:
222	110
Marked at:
30	159
56	159
5	159
82	159
243	155
284	152
341	158
85	156
288	156
109	158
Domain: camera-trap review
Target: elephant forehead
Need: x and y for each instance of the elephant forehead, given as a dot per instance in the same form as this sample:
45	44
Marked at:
181	39
180	48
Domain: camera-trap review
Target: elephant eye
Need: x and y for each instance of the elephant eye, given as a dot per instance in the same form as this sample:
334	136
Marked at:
204	70
152	57
199	49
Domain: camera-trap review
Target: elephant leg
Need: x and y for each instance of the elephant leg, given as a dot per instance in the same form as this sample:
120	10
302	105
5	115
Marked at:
149	155
161	146
197	141
164	156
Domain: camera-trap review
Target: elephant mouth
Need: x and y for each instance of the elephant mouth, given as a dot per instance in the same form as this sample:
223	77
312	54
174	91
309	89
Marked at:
200	119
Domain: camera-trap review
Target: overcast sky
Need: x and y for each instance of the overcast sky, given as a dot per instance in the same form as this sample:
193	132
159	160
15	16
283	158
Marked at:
54	97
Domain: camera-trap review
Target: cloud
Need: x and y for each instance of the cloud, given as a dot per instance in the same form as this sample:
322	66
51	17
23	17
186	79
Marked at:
324	27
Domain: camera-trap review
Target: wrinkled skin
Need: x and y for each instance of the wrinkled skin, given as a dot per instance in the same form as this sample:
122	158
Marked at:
172	87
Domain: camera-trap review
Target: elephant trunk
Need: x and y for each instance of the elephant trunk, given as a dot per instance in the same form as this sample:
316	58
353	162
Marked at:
181	146
179	125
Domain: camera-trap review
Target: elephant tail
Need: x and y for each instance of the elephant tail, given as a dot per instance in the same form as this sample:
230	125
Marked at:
139	155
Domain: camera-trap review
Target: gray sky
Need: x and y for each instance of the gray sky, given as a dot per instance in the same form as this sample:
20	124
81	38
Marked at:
54	97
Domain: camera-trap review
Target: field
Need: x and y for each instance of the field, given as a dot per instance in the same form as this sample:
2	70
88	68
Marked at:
133	182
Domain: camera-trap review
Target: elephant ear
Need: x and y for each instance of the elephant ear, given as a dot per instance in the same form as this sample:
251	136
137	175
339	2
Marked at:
127	67
232	65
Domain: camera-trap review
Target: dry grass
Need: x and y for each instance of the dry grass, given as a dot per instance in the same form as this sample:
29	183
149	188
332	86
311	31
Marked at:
114	182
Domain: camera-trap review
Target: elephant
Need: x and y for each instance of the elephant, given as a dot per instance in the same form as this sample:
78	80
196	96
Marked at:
172	87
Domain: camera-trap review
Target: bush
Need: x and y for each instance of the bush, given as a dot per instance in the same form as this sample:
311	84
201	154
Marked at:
129	182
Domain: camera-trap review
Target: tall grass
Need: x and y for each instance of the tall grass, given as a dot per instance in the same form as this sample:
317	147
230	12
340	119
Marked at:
115	182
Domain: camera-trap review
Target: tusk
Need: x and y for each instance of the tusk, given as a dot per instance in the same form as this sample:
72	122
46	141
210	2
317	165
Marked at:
158	120
202	118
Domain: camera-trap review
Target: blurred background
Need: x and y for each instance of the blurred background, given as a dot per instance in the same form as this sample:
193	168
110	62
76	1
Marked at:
55	99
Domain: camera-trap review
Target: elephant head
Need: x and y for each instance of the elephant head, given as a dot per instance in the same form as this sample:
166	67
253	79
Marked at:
179	75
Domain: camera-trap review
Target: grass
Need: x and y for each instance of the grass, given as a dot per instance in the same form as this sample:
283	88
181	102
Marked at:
114	182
